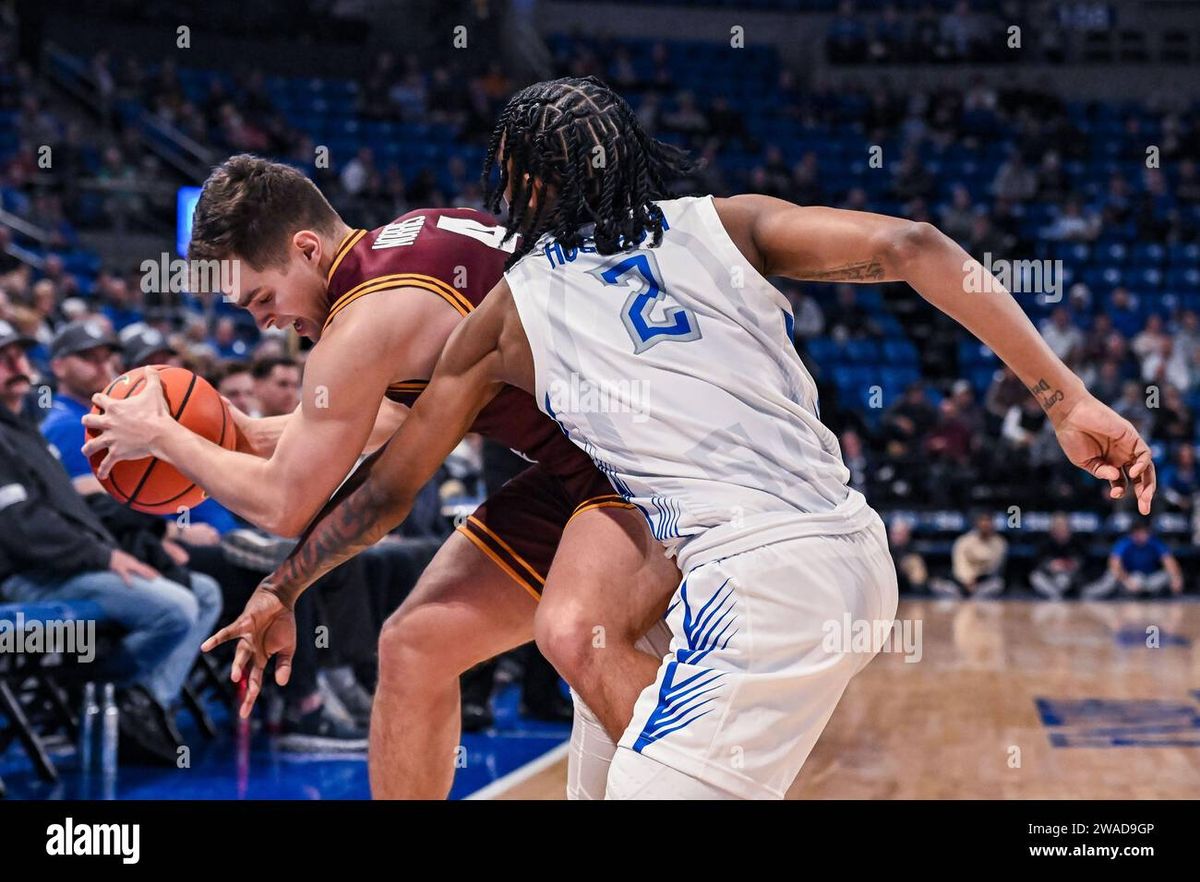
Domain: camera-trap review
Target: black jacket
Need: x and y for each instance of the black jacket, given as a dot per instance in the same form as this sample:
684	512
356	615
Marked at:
46	528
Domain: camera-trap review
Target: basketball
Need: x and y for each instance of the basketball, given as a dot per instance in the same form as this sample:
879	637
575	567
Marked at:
150	485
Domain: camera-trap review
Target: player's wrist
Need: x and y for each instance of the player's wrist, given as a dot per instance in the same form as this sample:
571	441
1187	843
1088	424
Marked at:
1059	398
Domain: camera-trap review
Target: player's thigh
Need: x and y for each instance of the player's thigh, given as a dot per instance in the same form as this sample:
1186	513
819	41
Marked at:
463	610
609	571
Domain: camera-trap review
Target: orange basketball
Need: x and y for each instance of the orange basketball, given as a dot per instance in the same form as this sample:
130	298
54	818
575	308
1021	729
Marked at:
149	484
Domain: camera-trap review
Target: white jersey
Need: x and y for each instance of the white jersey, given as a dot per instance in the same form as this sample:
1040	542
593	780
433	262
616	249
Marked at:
673	368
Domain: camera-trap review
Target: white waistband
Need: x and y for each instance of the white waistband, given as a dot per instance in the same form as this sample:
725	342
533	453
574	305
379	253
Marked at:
850	516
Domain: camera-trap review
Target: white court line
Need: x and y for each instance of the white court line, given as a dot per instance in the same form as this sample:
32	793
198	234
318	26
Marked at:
524	773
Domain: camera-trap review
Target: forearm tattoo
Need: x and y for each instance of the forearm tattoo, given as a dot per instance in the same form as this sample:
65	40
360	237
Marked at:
1046	396
355	518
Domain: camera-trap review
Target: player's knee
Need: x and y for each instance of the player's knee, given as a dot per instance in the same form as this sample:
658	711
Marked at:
406	648
569	639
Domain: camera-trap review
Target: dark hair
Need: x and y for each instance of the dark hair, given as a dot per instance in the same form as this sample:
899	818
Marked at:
225	370
250	207
579	138
261	369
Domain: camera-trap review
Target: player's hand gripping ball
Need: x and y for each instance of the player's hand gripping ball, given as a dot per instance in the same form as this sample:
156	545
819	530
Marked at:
149	484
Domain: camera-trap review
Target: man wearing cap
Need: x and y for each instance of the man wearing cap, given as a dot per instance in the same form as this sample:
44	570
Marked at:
149	346
81	357
54	547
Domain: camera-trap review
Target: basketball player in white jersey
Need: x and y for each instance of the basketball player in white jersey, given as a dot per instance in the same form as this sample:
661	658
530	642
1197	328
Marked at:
647	328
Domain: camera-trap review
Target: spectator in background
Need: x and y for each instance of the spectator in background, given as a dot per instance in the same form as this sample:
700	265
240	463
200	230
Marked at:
1148	341
148	345
968	410
1023	425
948	447
82	356
911	569
54	547
912	180
1005	392
1014	181
357	171
1061	335
226	341
847	318
1132	406
1060	560
977	562
1073	224
908	421
1104	380
1180	482
958	216
236	383
1173	422
1053	184
276	385
1123	312
1166	366
1187	334
119	303
985	239
1139	564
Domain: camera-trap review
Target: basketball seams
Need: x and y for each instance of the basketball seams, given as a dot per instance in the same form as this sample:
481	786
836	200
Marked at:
153	462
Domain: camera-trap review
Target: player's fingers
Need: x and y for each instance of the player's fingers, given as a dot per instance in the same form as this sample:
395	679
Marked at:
102	401
95	445
106	466
1104	471
226	634
1144	486
253	687
1141	461
283	668
99	421
153	383
241	656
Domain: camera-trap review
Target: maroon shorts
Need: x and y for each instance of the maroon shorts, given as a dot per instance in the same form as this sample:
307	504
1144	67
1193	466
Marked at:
518	527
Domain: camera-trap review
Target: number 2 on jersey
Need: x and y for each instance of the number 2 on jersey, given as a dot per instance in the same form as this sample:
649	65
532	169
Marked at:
641	272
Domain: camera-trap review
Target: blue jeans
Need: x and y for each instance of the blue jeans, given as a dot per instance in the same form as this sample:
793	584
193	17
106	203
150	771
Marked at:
166	623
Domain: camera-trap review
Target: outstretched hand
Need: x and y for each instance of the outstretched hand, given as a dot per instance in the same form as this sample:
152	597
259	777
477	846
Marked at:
1106	445
265	628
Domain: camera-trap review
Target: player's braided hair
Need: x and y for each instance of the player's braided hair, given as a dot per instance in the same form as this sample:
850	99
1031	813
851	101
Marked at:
581	146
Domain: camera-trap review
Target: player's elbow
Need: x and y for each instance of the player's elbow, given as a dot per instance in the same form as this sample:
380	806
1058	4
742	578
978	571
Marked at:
287	526
908	243
291	518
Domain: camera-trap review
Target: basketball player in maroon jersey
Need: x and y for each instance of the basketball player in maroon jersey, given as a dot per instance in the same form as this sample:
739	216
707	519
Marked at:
381	305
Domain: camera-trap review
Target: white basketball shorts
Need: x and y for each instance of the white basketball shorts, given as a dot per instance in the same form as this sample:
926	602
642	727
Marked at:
753	675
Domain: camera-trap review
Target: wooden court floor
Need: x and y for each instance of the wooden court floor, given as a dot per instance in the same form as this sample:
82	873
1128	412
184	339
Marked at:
1011	700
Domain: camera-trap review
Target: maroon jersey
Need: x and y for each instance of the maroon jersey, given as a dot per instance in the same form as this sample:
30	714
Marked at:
456	254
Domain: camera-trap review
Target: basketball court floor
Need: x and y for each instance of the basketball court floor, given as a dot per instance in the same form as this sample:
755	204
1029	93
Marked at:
1008	700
